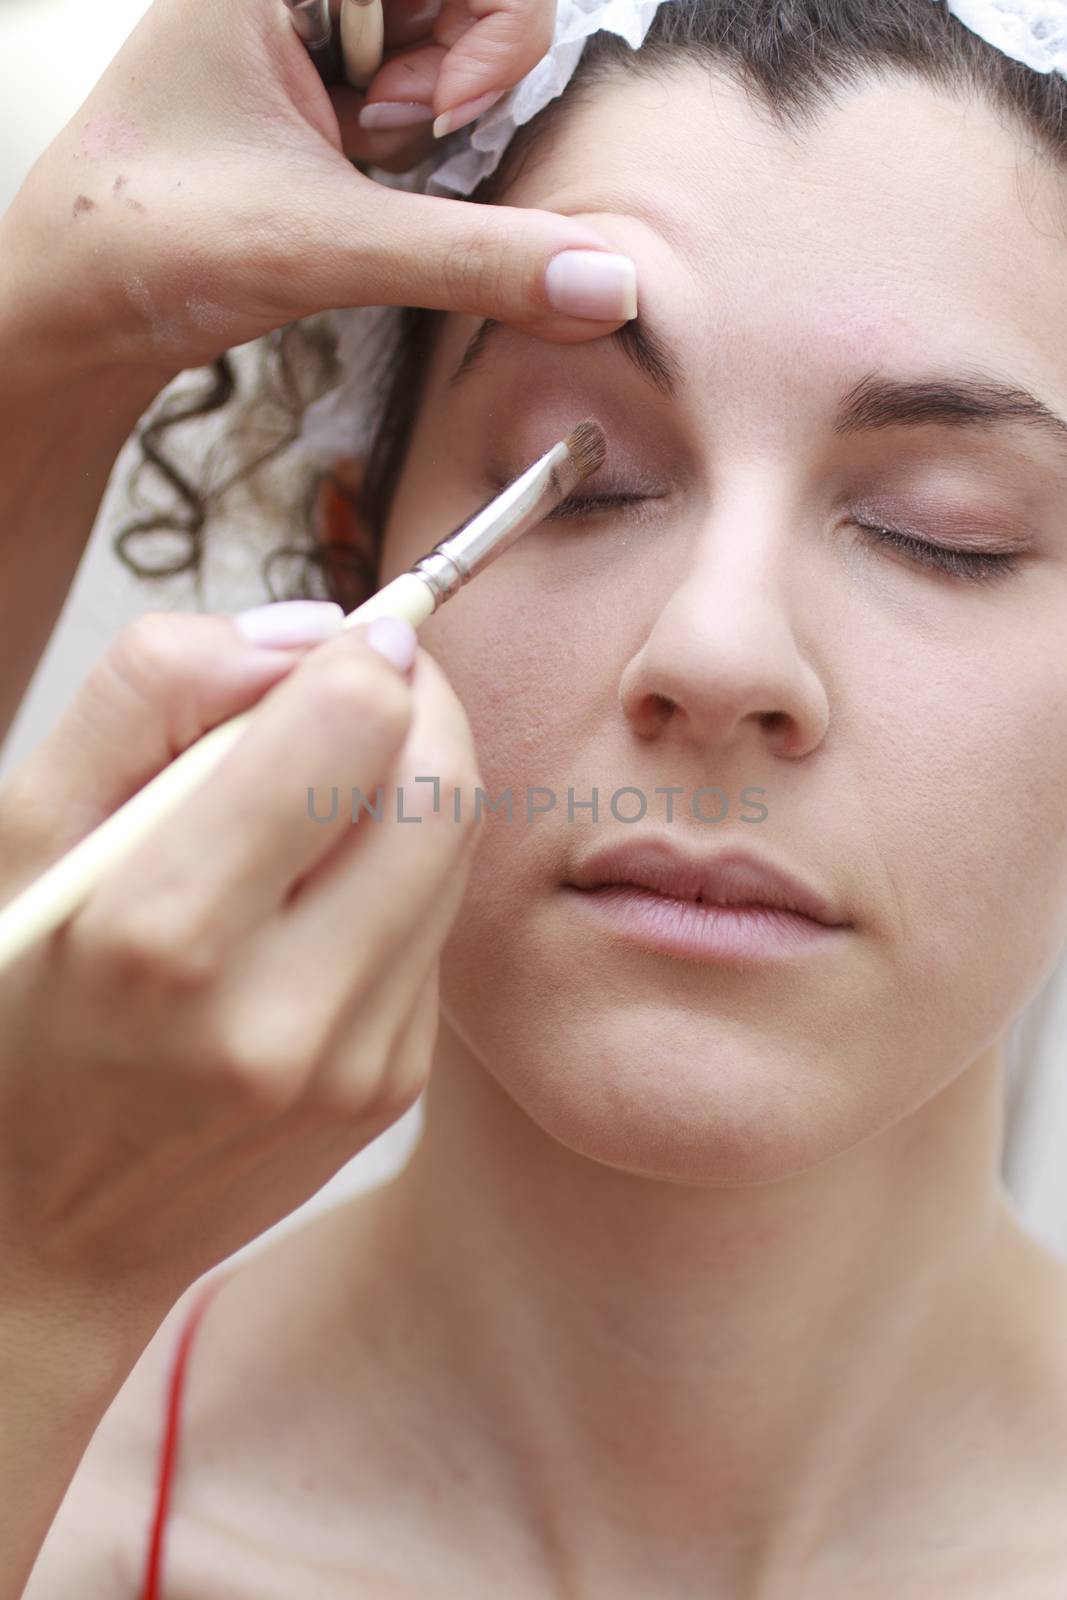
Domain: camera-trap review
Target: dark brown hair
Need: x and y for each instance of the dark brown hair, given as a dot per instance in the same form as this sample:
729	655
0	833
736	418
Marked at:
793	57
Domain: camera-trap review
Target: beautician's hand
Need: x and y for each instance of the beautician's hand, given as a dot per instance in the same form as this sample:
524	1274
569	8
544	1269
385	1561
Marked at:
201	197
249	998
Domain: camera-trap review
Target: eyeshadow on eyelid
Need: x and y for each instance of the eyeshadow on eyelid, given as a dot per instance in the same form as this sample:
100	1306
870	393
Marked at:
614	477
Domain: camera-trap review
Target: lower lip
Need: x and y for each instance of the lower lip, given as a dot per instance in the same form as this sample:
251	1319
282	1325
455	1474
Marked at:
704	932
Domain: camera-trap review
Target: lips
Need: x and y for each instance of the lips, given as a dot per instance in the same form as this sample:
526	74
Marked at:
732	877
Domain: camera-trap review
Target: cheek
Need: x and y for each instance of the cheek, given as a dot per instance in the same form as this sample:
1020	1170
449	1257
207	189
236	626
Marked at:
535	714
962	793
533	681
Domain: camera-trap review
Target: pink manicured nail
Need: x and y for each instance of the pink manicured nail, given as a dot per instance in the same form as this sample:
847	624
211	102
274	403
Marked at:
459	116
394	114
592	283
394	638
290	622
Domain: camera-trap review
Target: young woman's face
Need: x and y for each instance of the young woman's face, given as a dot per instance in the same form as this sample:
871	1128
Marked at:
737	627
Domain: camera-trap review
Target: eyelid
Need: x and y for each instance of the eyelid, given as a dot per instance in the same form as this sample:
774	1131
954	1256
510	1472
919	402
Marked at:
963	531
634	486
578	504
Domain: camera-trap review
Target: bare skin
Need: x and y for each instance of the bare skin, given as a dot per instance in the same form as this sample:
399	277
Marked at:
417	1495
700	1283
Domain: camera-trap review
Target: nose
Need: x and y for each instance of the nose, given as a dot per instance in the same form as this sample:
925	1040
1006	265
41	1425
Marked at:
722	663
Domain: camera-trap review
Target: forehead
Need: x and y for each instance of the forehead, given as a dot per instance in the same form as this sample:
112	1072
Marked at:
898	215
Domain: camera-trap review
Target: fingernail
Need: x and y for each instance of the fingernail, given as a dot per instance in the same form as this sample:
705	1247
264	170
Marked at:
394	114
290	622
459	116
394	638
592	283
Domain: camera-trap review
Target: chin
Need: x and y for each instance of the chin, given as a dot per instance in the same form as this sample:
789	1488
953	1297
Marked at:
694	1073
683	1108
662	1090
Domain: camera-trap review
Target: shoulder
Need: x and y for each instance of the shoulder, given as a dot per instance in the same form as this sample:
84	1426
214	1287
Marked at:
265	1476
97	1544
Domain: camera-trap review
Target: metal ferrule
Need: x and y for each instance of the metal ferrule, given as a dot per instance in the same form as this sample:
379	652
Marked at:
311	19
521	505
441	573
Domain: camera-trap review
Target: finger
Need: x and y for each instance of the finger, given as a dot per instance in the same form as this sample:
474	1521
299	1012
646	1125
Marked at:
409	74
406	1068
227	856
361	933
403	20
164	681
502	45
394	149
387	871
371	940
407	21
356	986
391	125
481	260
264	1158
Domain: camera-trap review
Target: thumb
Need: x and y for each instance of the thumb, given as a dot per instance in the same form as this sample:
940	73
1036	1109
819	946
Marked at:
163	682
538	271
491	46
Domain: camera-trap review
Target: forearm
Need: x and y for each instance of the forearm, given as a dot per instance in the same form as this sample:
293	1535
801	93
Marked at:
63	421
59	1372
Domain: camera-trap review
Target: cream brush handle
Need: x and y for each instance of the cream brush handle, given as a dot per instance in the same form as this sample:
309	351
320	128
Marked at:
57	893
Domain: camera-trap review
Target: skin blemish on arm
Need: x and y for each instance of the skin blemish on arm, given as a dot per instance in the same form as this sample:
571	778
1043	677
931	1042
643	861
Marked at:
110	134
116	191
83	203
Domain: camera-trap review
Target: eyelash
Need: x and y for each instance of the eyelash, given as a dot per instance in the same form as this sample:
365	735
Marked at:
970	566
576	506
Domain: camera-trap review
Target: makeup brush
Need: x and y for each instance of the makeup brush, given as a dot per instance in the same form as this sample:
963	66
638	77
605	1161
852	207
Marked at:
53	897
311	19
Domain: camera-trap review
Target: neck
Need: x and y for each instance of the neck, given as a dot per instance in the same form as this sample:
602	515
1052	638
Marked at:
731	1383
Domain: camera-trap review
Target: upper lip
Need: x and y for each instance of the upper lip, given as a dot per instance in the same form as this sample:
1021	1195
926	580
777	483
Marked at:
727	877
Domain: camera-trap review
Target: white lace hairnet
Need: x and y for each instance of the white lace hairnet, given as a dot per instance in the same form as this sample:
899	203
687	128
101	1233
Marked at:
341	422
1031	31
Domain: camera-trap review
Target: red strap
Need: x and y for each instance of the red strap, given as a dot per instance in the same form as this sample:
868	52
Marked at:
154	1568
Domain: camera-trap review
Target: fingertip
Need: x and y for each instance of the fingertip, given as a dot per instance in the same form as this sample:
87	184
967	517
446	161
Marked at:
395	639
598	284
289	623
466	112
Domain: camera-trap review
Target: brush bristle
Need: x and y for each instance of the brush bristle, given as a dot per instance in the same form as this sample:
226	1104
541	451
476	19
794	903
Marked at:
588	446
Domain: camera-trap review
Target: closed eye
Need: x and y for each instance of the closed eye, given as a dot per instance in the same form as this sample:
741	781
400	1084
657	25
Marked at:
585	505
497	476
970	566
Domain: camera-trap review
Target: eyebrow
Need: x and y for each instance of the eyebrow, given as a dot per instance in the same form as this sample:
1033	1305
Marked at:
876	401
642	347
